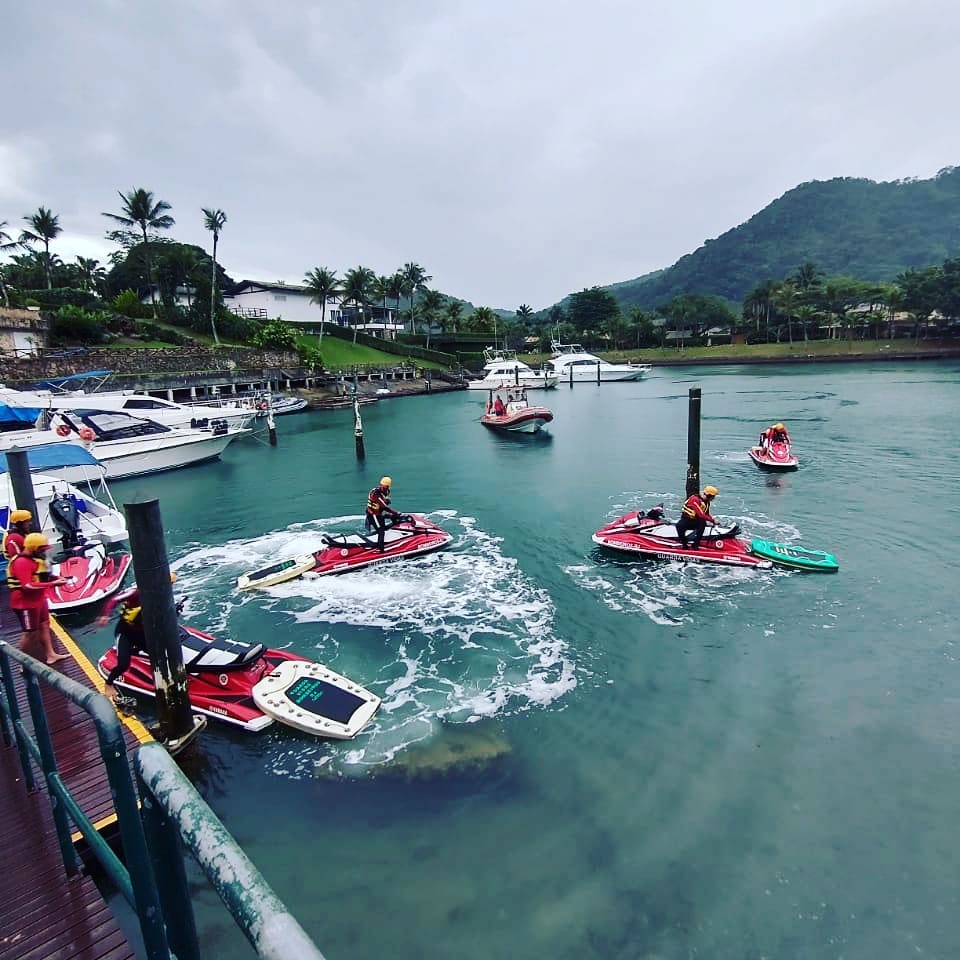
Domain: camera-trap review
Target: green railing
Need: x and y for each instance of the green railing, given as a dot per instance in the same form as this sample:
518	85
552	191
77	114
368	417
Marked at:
152	879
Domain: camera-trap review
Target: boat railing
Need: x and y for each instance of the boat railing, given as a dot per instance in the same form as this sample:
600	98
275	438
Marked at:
151	878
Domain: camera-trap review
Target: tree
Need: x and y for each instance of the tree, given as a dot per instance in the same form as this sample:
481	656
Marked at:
807	276
180	261
787	300
276	335
592	309
396	291
92	275
432	305
454	310
357	286
140	210
214	221
524	312
483	320
414	279
6	243
44	227
322	286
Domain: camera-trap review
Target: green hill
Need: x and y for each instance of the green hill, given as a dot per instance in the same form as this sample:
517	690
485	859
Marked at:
858	227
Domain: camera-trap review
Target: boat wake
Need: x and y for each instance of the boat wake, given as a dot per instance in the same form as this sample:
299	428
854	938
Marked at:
455	636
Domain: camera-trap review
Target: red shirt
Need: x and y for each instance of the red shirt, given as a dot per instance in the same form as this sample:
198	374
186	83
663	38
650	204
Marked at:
25	568
12	543
697	507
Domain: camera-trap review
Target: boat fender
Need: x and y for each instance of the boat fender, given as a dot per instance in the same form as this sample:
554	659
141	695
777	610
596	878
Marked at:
224	680
63	430
86	434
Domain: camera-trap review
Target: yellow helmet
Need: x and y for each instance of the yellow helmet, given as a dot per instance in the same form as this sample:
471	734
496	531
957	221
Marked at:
710	491
779	426
19	516
173	577
385	481
35	541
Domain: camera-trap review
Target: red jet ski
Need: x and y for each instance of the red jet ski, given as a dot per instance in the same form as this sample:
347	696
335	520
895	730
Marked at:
410	536
93	576
775	456
649	535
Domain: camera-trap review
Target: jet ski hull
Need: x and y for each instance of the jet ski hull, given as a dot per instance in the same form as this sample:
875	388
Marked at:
93	576
658	540
775	457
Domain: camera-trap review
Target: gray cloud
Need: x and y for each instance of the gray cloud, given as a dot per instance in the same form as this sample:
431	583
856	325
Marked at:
518	151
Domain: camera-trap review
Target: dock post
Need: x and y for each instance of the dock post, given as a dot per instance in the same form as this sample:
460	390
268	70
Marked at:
693	442
178	726
358	429
271	423
570	368
18	466
598	373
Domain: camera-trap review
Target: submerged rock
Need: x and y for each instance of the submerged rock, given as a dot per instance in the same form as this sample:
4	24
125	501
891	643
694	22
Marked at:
461	749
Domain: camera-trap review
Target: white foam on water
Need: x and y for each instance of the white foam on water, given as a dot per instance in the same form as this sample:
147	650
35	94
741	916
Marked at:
454	636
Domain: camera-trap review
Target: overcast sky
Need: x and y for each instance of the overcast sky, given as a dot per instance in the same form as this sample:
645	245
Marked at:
518	150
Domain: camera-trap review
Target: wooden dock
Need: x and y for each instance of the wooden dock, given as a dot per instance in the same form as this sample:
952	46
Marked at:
44	914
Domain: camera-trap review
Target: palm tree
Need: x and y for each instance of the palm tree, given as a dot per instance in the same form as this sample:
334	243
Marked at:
214	221
433	301
524	312
396	290
92	275
182	261
484	320
6	243
807	276
414	279
44	227
321	285
139	209
356	288
454	310
786	298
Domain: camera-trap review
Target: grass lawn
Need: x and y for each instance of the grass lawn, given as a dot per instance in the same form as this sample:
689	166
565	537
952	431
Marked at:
340	355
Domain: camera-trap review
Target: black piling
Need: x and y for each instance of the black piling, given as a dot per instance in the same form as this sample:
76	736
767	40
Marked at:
598	373
18	466
570	368
161	632
271	423
358	430
693	441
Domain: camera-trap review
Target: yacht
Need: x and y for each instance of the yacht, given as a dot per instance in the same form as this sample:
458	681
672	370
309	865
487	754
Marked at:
503	369
127	446
571	363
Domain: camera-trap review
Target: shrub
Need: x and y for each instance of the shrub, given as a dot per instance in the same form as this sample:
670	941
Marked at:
153	331
128	304
310	355
275	335
79	325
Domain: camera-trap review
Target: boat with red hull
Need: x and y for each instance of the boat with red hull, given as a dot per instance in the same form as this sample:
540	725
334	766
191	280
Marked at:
652	536
225	678
512	413
411	536
92	576
774	456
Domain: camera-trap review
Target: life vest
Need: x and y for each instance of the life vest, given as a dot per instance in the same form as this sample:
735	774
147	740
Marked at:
129	614
377	501
690	507
13	583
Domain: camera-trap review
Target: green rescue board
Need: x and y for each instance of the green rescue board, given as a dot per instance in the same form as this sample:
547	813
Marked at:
799	558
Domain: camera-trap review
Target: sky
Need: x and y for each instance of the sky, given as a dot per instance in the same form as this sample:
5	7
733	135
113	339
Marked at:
518	150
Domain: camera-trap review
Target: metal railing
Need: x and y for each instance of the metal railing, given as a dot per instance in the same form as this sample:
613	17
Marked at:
152	879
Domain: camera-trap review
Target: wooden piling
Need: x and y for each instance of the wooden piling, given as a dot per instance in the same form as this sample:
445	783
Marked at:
178	726
693	441
358	429
271	423
570	368
598	373
18	466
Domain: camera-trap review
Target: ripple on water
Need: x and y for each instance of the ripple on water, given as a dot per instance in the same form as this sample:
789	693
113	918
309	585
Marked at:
455	636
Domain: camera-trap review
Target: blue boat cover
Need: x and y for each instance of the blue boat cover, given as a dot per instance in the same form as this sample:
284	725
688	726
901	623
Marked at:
56	455
57	383
18	414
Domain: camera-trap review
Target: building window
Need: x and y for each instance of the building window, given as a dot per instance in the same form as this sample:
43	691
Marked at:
279	296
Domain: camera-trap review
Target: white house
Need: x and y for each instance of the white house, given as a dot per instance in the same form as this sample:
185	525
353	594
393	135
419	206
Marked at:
290	302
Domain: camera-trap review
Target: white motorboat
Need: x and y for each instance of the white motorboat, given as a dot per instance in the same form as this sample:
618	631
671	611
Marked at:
237	412
503	369
89	503
126	446
570	362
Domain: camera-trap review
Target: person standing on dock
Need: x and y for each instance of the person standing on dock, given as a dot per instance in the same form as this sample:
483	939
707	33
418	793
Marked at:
378	509
696	516
20	521
29	581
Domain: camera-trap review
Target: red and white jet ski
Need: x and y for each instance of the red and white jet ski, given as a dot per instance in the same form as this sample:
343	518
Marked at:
92	575
651	536
222	682
774	456
411	536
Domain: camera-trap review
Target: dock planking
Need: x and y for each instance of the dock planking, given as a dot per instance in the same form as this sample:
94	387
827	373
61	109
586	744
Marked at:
44	914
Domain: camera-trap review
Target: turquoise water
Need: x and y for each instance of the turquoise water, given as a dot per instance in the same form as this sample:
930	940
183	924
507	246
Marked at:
691	761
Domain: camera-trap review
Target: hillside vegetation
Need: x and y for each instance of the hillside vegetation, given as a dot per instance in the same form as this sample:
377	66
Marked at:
855	227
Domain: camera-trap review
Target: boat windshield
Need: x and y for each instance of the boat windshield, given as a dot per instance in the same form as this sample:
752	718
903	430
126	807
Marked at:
113	425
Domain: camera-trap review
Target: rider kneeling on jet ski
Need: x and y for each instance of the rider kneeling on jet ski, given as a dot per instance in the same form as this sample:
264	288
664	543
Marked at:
696	516
129	632
775	434
379	509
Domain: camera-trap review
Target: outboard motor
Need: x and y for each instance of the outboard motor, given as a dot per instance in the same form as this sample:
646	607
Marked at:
66	518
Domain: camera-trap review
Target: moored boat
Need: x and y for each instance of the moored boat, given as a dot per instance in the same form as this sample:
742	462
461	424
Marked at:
571	363
508	409
503	369
224	678
659	540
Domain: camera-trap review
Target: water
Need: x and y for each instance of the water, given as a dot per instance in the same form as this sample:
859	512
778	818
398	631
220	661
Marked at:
699	762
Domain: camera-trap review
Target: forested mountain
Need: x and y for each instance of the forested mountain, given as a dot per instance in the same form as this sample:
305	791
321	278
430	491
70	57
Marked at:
856	227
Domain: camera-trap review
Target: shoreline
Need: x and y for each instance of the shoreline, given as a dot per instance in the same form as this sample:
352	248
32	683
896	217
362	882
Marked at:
950	353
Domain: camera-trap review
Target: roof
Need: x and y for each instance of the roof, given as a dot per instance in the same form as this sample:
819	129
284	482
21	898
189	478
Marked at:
57	455
251	286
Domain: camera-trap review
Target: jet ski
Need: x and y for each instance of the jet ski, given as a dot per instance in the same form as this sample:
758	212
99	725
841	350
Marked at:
650	535
410	536
92	575
230	681
775	456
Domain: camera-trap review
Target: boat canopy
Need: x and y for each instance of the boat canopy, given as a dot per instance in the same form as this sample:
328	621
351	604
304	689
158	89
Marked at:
10	414
55	455
62	384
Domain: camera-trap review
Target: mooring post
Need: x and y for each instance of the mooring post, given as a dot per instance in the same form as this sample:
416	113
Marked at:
18	466
161	632
570	368
693	442
358	429
598	373
271	423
